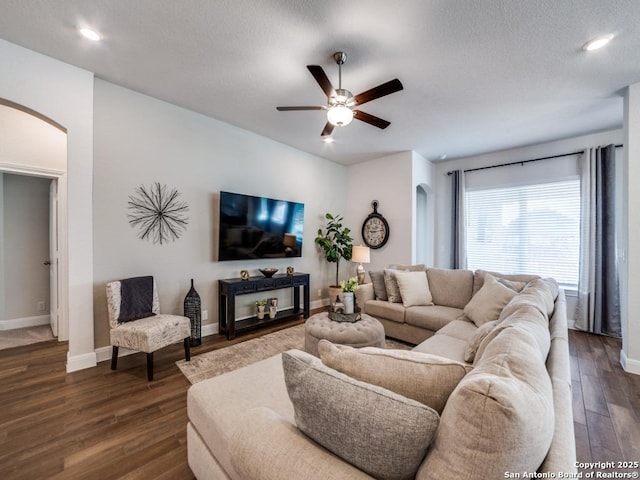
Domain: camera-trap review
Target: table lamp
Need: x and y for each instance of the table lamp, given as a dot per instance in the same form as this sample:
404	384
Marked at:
360	254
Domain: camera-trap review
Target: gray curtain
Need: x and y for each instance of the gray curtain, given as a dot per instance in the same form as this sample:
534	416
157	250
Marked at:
458	231
598	308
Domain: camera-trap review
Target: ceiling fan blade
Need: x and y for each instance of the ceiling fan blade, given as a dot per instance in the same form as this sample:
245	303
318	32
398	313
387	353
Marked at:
328	129
388	88
370	119
287	109
322	79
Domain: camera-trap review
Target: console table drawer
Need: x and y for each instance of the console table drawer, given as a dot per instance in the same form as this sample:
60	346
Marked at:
265	284
244	287
283	282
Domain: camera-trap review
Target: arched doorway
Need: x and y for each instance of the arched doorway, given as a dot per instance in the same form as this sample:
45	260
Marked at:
34	156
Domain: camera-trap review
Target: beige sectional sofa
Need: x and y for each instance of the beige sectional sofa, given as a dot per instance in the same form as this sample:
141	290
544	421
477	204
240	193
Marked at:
489	399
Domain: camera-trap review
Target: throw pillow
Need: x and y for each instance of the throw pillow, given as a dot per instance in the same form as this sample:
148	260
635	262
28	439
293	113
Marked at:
487	304
423	377
382	433
513	285
377	280
475	340
391	285
414	288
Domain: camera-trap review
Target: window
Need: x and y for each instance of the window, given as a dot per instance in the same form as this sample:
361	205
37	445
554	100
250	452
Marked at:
526	229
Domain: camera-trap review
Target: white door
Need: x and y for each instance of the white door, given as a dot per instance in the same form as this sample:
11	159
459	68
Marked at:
53	256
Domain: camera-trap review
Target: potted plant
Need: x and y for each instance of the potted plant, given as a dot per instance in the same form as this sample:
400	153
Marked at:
349	288
260	304
336	244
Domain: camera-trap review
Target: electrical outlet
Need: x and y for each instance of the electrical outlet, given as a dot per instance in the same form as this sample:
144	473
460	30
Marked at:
40	306
319	292
205	315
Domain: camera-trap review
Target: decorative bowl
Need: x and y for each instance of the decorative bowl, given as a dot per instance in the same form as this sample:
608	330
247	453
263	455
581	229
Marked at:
268	272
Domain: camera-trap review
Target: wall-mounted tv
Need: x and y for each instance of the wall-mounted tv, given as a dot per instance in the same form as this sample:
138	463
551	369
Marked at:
258	227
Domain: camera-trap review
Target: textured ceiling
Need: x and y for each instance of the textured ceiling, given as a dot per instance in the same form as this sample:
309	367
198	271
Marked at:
478	75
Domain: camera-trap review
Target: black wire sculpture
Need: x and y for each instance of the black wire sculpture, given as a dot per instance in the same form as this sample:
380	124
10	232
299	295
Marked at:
158	213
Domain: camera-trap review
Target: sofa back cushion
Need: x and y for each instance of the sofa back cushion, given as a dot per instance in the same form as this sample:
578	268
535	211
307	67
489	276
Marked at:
450	288
384	434
423	377
479	276
500	417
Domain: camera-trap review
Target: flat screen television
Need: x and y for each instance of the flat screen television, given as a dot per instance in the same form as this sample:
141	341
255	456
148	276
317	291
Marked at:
258	227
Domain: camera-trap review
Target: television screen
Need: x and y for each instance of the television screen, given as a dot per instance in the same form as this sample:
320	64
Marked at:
257	227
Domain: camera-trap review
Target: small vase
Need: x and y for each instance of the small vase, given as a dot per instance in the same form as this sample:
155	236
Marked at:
260	312
347	299
273	311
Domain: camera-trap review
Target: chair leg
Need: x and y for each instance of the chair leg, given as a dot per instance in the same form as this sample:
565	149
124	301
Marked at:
187	349
114	358
150	366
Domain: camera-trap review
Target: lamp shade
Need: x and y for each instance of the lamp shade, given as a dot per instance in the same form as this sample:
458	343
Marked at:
339	115
360	254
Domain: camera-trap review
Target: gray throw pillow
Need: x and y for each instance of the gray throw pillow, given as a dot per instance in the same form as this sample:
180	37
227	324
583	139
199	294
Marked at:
379	290
382	433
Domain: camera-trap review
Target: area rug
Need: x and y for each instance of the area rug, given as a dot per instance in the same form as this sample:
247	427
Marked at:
217	362
25	336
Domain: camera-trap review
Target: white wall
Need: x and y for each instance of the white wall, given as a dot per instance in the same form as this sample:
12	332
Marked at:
423	217
26	246
64	94
140	140
388	180
630	252
548	168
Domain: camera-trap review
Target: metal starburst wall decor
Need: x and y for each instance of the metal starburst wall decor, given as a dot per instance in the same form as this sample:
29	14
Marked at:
158	213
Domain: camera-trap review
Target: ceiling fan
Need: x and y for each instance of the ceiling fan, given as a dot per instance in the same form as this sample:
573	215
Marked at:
341	103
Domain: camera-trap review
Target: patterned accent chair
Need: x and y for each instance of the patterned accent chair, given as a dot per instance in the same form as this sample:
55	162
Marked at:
147	334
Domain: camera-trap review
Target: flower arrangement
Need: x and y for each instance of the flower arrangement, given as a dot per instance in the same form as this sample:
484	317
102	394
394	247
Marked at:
261	303
350	285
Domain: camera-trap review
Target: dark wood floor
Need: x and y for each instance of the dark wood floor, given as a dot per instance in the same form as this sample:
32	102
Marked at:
99	424
606	402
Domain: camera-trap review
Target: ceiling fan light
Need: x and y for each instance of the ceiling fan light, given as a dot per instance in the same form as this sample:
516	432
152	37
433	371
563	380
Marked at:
340	115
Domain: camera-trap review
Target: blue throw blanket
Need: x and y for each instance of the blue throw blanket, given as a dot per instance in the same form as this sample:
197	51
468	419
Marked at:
136	298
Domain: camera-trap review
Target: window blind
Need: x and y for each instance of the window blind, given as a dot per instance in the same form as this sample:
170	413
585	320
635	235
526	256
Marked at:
532	229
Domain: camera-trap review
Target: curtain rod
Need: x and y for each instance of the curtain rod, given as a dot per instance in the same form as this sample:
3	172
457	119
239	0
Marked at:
522	162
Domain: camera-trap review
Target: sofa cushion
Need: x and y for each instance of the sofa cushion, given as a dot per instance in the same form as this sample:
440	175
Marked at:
474	341
382	433
460	328
420	267
487	304
443	346
391	285
426	378
432	318
500	417
264	446
379	289
214	405
414	288
382	309
451	288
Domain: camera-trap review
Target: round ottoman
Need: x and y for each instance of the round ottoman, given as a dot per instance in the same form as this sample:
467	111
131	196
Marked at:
367	332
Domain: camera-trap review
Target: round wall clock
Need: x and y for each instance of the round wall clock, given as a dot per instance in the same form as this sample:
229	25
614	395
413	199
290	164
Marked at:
375	229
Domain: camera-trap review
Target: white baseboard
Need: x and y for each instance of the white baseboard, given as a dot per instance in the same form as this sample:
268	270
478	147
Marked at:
80	362
14	323
629	365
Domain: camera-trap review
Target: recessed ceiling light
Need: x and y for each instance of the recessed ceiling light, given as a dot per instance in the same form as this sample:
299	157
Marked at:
327	140
597	42
90	34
